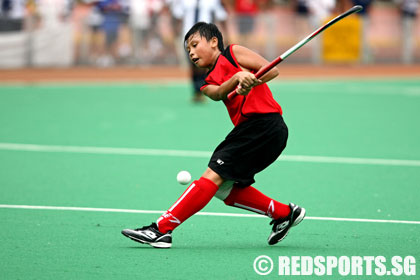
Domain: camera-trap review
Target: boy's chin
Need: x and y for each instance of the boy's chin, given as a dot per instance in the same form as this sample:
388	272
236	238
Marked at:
199	64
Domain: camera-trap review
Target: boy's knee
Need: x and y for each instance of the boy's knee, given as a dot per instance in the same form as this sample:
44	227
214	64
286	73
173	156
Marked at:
224	190
213	176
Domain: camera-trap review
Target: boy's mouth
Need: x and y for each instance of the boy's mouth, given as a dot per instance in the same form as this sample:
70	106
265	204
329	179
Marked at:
195	60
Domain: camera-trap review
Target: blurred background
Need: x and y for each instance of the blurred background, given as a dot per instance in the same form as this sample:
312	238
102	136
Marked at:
139	33
98	111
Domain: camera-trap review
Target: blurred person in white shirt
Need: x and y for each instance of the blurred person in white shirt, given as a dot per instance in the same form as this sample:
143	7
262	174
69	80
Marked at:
409	12
319	10
144	22
189	12
54	12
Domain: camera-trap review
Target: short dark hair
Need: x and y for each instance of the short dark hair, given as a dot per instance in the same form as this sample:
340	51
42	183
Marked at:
206	30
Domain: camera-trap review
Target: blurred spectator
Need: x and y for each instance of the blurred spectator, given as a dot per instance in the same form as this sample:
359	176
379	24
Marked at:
52	42
94	18
269	19
320	11
245	13
190	12
301	8
409	11
364	14
53	12
301	20
146	39
14	43
94	21
113	12
12	14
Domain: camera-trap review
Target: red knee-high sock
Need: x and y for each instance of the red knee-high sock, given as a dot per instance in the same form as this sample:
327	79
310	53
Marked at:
198	194
251	199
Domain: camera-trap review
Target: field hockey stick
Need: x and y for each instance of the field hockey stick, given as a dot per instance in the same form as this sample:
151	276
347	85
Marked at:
282	57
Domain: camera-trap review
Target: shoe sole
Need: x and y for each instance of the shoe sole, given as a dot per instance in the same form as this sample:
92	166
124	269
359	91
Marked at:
160	245
272	239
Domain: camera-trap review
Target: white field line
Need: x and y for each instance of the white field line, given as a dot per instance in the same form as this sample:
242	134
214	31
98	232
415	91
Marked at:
86	209
197	154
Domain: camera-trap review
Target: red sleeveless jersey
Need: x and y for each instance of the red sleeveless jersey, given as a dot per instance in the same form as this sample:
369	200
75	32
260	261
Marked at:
259	100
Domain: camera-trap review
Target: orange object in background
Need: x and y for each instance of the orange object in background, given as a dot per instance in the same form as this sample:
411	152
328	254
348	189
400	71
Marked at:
342	42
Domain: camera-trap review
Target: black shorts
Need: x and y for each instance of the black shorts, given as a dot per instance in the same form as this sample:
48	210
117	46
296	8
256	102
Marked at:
250	148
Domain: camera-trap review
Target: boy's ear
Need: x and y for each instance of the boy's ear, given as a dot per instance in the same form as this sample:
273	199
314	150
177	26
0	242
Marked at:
214	42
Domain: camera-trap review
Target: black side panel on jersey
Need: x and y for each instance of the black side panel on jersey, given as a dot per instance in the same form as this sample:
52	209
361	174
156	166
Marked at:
226	53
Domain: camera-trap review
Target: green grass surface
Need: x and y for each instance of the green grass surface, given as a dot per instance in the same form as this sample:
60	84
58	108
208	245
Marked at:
368	119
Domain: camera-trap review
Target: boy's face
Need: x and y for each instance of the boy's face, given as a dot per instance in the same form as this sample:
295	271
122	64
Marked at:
202	52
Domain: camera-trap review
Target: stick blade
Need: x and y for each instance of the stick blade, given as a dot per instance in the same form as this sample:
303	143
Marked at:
356	9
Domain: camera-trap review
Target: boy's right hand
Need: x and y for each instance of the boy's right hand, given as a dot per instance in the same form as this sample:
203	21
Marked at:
246	81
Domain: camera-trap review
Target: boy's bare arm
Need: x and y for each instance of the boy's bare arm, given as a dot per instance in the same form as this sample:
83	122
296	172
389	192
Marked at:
217	93
239	81
252	61
242	81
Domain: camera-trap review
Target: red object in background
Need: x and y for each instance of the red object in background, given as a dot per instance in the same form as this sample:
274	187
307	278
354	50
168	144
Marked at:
248	7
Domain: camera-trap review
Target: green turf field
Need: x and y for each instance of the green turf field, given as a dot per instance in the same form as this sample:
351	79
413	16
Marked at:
353	152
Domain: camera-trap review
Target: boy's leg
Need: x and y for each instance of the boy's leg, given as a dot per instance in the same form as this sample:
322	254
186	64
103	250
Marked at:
283	216
197	195
253	200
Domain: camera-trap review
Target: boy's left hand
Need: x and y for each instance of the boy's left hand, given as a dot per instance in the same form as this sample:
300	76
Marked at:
246	82
241	90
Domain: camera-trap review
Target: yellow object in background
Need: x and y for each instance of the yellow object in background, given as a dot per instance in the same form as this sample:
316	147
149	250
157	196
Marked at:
342	41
